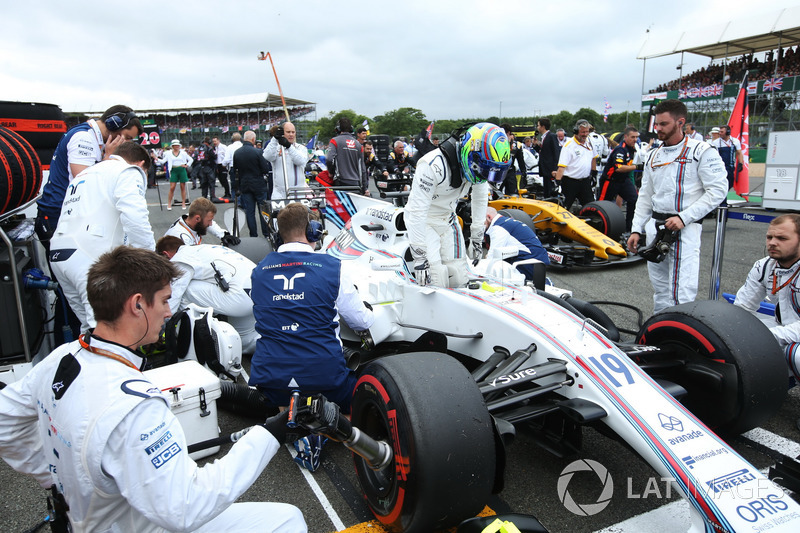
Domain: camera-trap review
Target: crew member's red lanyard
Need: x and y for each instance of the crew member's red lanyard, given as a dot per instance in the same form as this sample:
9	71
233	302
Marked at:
191	232
775	287
105	353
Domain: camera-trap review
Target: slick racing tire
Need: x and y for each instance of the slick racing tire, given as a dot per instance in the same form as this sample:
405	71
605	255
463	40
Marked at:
727	360
429	409
20	171
606	217
520	216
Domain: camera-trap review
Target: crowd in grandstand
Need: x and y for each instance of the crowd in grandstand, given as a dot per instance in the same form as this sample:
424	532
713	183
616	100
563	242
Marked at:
216	119
788	62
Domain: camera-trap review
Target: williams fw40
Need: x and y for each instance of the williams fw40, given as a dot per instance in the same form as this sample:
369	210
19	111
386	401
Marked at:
454	369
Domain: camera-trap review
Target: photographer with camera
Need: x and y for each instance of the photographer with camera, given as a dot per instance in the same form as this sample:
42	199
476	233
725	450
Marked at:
683	180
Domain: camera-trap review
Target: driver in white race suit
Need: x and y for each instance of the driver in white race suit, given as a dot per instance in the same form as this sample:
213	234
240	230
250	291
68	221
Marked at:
213	276
87	421
482	153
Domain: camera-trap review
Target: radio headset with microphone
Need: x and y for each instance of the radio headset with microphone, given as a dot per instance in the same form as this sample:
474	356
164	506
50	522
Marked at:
120	120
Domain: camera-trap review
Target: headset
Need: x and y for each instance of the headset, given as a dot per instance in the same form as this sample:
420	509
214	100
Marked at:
579	124
119	120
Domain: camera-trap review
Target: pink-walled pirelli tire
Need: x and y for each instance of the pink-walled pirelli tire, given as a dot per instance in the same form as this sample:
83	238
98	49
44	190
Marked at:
427	406
606	217
727	360
20	171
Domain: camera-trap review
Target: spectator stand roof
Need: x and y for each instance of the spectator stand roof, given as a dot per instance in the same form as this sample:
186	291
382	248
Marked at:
228	103
759	32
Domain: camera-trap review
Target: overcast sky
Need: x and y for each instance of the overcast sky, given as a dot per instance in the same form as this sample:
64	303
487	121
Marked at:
451	59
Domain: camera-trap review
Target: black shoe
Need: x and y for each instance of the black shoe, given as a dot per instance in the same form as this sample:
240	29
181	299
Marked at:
194	187
215	200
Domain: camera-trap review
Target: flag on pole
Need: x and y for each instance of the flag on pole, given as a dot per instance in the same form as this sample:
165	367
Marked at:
366	125
429	129
313	142
606	107
739	124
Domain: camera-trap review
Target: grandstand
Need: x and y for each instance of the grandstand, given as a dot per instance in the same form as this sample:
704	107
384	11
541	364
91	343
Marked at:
763	45
192	119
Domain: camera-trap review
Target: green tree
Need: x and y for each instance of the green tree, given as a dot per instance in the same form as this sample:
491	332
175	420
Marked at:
327	125
405	121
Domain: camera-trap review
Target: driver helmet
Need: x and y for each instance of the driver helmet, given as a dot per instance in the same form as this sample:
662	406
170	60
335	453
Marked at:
485	153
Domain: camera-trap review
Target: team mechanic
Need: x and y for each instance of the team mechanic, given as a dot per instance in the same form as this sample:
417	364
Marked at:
122	463
443	176
298	296
504	232
776	278
105	207
683	180
213	276
82	146
617	178
577	165
191	227
345	158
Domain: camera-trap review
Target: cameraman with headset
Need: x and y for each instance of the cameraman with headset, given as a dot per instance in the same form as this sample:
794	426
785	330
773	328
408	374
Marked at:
682	181
298	296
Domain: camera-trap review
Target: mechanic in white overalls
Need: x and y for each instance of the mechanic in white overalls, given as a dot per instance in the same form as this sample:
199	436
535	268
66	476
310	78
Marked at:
87	421
482	153
104	207
213	276
683	180
192	227
776	278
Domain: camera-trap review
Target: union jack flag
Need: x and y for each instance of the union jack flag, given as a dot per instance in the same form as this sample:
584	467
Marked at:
773	84
706	91
717	89
606	108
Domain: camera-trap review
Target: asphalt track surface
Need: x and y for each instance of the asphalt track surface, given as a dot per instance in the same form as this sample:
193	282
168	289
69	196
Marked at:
331	499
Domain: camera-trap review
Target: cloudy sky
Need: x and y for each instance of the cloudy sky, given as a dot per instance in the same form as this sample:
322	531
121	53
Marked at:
451	59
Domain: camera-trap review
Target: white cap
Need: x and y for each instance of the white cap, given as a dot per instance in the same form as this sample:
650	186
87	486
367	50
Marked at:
714	130
176	141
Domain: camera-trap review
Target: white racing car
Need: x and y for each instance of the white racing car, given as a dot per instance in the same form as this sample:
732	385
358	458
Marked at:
454	369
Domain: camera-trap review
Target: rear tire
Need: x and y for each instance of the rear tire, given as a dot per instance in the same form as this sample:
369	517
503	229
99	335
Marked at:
732	366
429	409
606	217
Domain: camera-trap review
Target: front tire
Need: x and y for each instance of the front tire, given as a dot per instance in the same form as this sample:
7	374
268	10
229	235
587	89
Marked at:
429	409
727	359
606	217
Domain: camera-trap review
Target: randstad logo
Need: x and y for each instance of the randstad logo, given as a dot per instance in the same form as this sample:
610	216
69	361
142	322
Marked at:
585	509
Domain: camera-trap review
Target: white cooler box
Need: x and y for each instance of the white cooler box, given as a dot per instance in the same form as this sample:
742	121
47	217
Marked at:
192	391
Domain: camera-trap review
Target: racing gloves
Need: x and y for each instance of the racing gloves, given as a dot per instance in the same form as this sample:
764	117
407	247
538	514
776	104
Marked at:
739	167
475	252
277	425
422	268
230	240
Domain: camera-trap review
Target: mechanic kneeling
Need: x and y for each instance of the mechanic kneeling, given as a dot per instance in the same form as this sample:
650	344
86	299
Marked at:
87	422
506	232
298	296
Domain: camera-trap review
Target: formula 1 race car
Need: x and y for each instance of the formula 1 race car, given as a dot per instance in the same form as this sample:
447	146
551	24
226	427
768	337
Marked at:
588	239
454	369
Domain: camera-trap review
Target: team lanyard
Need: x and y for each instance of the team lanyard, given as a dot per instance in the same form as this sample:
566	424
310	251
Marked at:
681	155
775	287
191	231
105	353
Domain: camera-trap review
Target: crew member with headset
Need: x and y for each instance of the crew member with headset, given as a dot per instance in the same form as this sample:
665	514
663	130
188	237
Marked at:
298	296
577	166
81	147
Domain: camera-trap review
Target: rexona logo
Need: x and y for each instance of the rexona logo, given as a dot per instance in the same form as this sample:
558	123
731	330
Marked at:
729	481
